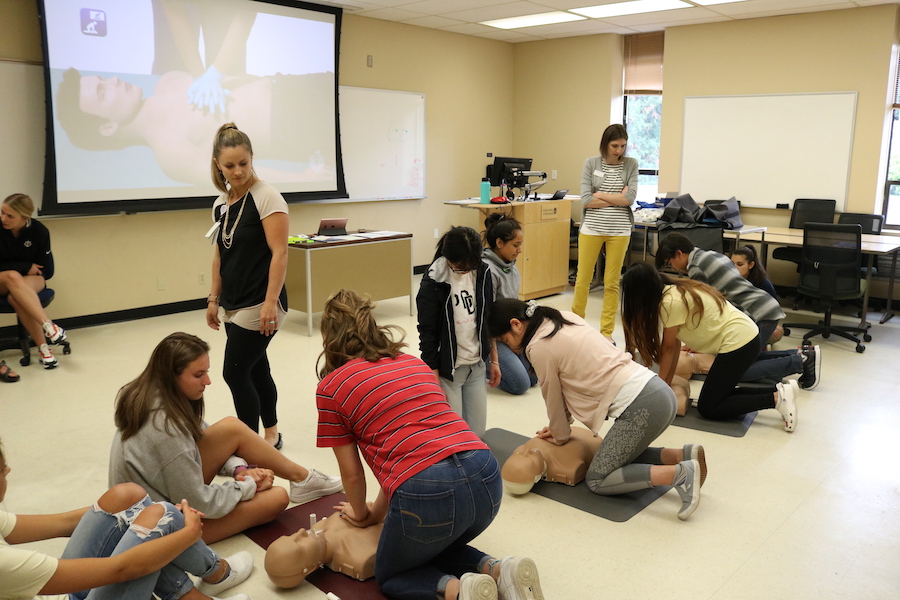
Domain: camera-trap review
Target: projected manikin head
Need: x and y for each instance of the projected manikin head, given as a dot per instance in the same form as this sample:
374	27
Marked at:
111	99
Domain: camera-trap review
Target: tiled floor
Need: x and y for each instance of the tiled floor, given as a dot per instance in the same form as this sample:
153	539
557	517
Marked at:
813	514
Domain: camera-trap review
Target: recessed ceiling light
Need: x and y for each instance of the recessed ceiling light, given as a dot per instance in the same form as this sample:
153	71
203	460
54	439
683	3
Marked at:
711	2
629	8
547	18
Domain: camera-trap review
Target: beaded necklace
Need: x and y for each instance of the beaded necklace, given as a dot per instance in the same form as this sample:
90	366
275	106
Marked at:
228	236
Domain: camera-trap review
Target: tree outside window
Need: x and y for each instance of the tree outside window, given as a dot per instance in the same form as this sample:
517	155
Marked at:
642	120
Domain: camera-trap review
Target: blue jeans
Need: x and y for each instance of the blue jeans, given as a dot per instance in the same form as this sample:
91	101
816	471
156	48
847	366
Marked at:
432	517
774	364
100	534
515	371
467	395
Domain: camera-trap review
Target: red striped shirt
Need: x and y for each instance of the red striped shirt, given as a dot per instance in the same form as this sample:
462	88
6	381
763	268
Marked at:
396	412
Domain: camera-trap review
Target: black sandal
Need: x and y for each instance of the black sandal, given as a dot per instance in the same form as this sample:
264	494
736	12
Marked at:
5	373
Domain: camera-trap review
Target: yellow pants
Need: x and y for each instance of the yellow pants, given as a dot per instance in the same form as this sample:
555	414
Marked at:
589	247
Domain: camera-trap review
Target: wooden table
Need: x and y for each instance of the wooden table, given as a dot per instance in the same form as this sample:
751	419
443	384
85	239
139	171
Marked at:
380	267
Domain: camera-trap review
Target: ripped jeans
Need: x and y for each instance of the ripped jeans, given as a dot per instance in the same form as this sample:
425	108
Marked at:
100	534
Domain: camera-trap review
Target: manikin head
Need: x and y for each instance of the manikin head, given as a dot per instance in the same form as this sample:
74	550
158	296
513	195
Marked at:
524	468
291	558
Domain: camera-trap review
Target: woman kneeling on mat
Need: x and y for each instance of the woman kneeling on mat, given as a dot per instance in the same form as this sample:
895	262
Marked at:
582	374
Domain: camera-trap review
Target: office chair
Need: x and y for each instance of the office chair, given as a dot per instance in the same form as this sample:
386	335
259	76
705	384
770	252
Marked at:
23	339
870	224
830	270
705	238
805	210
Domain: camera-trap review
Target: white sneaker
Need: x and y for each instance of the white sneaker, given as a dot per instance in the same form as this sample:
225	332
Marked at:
477	586
45	357
688	487
519	580
54	333
239	567
317	484
787	405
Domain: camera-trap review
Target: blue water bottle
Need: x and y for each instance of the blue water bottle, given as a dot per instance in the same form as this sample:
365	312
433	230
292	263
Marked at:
485	191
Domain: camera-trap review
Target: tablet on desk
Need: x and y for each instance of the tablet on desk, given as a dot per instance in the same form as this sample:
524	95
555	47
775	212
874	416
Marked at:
332	227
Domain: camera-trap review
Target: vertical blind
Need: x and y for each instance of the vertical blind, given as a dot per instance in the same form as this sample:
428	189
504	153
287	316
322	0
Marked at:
644	63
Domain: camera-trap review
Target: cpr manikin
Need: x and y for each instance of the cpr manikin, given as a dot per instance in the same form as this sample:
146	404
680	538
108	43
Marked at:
689	363
539	459
332	542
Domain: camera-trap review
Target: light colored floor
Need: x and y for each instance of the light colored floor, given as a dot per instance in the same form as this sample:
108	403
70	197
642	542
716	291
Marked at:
813	514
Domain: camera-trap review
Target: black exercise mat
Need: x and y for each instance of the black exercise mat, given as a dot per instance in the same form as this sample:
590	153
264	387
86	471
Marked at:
614	508
736	427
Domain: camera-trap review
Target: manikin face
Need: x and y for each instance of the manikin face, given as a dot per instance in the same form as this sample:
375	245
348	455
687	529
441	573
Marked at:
111	99
513	337
524	466
11	219
195	377
291	558
679	261
743	265
510	250
236	163
615	150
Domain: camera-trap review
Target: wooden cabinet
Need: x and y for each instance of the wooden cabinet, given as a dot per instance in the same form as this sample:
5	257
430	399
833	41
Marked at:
544	262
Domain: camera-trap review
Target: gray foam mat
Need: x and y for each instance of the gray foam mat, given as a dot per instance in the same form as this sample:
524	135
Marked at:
614	508
736	427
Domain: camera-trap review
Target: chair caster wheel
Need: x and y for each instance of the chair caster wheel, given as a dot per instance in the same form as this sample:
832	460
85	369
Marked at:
25	361
860	348
867	338
67	350
826	335
787	331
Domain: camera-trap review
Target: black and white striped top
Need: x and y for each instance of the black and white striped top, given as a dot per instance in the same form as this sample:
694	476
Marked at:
611	220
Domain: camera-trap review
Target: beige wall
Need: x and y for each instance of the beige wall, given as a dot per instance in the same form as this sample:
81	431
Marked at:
842	50
116	262
549	100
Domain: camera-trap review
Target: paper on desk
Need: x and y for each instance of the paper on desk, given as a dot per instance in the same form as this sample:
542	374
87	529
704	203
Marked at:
336	238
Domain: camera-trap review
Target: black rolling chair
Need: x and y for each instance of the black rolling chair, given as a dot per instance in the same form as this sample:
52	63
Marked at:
705	238
870	224
23	339
830	270
806	210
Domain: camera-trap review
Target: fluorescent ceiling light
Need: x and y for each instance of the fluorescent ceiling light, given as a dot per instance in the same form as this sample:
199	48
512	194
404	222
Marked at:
629	8
711	2
548	18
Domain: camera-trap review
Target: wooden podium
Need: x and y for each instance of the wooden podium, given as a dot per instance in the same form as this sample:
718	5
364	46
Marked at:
544	262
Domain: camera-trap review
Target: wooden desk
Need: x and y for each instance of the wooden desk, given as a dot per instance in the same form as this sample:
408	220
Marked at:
872	246
544	262
380	268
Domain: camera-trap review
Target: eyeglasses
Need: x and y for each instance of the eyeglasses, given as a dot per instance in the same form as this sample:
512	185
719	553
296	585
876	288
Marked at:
460	271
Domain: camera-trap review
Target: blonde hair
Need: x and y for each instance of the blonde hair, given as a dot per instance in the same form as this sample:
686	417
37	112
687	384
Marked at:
349	331
21	203
228	136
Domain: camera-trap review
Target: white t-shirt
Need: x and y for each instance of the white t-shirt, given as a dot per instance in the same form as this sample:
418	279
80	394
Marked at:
462	296
23	572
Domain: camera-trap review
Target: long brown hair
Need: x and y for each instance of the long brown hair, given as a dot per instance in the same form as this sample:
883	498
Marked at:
349	331
228	136
157	389
642	293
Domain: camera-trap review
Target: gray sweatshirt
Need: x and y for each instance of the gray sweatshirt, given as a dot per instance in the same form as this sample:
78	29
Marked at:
505	275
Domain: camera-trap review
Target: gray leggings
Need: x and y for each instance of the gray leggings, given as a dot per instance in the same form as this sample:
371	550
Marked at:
622	463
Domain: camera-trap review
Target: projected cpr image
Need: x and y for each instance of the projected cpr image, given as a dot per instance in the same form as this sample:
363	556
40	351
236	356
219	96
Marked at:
140	87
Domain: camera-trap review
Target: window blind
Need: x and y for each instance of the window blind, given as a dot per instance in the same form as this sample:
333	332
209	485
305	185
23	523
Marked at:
644	63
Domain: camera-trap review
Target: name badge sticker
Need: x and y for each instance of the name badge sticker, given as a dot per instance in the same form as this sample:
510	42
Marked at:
598	174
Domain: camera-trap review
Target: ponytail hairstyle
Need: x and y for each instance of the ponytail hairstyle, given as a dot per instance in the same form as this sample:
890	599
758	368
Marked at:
642	294
757	273
500	227
460	246
228	136
349	331
21	204
530	313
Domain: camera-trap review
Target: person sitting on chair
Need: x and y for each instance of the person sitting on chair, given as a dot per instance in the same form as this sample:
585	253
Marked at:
26	264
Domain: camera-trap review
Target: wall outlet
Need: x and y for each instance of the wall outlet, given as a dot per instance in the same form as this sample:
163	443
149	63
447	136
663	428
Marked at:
435	233
369	61
201	279
553	174
161	284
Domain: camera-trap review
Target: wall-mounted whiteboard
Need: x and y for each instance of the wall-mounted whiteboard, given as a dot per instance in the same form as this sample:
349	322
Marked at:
769	149
383	143
22	123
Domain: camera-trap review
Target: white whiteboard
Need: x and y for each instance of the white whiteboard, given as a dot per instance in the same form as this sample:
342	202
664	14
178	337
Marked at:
383	143
22	122
769	149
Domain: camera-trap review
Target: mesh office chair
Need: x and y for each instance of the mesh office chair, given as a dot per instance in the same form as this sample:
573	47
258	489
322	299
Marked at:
870	224
806	210
830	264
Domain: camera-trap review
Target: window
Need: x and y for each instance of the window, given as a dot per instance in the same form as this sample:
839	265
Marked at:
643	107
891	208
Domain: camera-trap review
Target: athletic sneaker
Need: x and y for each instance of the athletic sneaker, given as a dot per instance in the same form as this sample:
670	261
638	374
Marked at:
812	367
46	358
239	567
316	485
696	452
519	580
54	333
685	482
477	586
787	405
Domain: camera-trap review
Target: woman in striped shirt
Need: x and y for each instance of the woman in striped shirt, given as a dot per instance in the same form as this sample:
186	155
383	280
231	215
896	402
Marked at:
440	486
608	189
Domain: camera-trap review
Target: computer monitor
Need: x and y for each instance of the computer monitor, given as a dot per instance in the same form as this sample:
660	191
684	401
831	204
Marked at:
504	171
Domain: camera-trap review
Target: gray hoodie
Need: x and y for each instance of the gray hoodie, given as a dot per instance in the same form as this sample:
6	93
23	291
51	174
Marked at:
504	274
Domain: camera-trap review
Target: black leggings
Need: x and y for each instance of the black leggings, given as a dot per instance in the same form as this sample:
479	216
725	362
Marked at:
720	399
247	374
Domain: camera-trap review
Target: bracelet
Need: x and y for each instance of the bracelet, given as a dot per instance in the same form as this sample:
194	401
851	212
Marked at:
240	468
494	362
211	298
